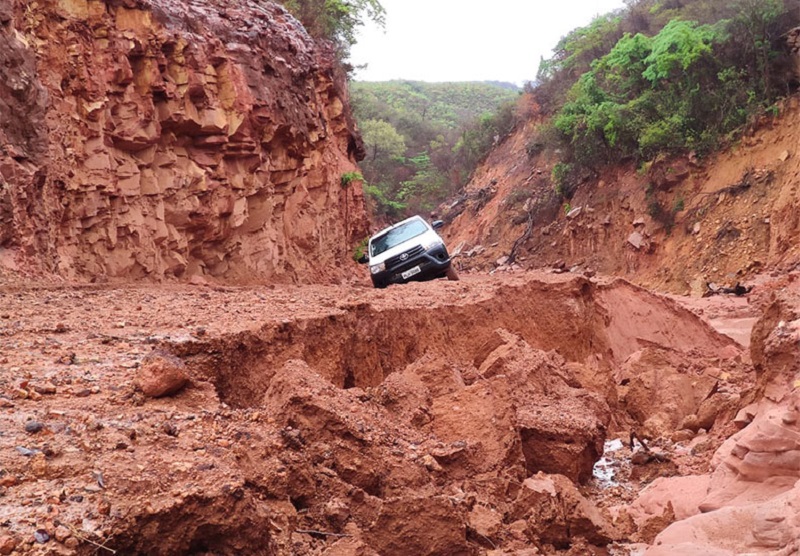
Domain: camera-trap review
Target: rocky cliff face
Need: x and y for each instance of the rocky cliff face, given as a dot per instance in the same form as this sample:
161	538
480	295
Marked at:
172	138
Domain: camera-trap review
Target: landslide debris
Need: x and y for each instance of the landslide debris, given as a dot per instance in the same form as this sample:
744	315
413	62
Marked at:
436	418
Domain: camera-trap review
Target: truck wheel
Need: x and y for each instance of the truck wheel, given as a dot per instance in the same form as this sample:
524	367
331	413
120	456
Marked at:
451	273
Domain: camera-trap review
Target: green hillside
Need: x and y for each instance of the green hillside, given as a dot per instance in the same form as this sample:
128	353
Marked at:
662	78
424	139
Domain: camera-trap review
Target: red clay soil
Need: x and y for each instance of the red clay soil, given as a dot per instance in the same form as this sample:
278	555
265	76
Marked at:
436	418
672	225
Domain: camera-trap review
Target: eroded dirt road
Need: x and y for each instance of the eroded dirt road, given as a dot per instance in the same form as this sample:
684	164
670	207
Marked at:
438	418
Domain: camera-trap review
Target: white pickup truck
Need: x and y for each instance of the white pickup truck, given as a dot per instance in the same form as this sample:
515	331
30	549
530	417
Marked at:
409	250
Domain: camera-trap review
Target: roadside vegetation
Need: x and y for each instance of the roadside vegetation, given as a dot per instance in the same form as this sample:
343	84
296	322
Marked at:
336	20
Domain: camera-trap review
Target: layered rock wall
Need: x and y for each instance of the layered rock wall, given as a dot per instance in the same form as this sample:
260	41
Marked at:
173	138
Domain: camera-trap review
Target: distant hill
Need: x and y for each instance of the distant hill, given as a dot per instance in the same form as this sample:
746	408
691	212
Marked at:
425	139
450	104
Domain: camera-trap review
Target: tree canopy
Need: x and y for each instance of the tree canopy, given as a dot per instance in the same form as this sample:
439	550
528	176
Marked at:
665	77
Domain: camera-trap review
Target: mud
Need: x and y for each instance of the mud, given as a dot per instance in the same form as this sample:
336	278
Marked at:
441	418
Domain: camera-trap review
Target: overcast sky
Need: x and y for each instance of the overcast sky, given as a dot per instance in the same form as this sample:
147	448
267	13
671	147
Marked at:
468	40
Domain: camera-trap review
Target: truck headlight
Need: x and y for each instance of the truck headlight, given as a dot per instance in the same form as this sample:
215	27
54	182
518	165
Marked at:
380	267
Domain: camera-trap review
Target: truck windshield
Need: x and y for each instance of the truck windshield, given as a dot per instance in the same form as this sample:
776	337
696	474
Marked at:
396	236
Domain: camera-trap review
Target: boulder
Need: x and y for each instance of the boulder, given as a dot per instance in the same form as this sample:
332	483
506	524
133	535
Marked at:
557	513
161	374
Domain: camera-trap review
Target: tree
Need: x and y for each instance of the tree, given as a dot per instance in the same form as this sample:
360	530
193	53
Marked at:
382	140
336	20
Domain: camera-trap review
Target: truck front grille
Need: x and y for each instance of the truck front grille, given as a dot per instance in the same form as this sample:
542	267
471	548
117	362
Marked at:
400	259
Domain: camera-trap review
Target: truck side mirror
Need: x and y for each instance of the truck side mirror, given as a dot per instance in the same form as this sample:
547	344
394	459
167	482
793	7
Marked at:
437	224
363	259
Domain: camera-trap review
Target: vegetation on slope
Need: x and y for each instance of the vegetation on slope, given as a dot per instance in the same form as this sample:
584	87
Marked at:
662	77
656	78
423	140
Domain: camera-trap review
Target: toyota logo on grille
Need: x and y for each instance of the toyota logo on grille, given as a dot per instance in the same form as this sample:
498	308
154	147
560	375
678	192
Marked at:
404	257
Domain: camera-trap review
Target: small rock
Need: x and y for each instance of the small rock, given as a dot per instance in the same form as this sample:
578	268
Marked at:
636	240
574	213
33	427
62	533
104	507
682	435
502	261
8	544
337	513
638	222
48	388
784	156
20	393
430	463
5	402
41	536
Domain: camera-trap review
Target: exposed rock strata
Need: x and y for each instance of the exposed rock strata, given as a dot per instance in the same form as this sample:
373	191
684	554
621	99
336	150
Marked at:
168	138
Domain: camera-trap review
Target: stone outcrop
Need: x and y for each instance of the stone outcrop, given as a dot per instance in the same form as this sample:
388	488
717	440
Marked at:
756	478
166	138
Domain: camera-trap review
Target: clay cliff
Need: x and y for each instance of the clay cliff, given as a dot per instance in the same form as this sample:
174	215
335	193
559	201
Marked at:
151	139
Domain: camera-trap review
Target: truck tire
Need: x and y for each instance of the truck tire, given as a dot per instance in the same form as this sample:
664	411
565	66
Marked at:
452	274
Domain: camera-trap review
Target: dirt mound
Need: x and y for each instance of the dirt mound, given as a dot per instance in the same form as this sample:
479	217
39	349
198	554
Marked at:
321	420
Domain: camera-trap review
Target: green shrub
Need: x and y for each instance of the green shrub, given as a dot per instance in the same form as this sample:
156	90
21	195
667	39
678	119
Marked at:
561	175
671	83
349	177
361	249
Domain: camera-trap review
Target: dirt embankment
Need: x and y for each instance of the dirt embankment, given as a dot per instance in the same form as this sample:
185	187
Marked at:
436	418
673	225
166	139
